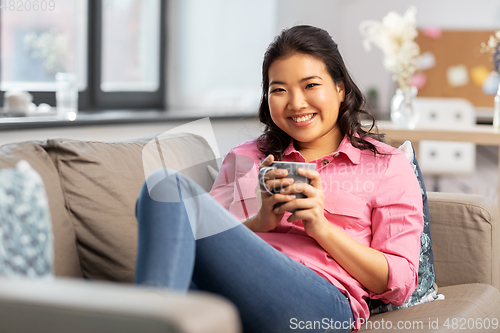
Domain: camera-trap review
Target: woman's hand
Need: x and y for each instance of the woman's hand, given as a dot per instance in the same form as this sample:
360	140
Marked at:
365	264
267	219
310	209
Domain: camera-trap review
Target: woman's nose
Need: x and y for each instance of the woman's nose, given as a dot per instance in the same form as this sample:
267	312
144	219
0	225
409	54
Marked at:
297	101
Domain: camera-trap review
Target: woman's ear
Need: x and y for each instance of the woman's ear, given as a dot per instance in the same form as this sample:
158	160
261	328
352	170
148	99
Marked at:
341	90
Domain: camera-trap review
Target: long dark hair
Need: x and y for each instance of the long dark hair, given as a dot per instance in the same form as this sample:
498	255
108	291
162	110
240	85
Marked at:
304	39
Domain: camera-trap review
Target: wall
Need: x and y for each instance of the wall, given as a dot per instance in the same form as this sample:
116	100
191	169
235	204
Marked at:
325	14
216	47
342	18
215	52
228	133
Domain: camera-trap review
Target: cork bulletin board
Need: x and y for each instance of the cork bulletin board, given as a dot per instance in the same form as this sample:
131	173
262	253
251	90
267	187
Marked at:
460	68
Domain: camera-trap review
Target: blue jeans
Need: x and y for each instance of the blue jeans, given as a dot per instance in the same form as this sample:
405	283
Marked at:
272	292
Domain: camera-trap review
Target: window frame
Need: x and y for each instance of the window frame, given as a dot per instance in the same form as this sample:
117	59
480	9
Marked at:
93	99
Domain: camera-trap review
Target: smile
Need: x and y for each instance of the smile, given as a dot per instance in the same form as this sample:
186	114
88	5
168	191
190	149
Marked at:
303	118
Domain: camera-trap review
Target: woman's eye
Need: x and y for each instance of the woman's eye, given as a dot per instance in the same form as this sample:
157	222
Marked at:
277	90
310	85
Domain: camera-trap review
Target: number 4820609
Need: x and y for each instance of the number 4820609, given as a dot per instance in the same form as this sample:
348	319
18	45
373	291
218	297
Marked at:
471	324
27	5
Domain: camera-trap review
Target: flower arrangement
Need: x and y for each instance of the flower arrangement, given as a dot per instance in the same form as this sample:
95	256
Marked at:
395	36
493	46
49	46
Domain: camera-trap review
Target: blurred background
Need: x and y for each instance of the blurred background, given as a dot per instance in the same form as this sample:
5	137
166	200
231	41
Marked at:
202	54
203	57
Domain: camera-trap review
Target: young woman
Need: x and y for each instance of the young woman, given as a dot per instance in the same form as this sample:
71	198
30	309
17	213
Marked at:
355	235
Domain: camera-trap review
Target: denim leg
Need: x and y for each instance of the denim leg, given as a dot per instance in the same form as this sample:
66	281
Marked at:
272	292
165	254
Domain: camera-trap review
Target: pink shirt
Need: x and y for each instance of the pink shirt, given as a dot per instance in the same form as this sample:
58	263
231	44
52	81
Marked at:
374	199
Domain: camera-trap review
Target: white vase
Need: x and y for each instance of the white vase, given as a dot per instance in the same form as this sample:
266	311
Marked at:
403	111
496	110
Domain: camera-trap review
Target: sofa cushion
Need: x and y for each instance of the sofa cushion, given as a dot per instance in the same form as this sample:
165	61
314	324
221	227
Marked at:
101	182
66	261
466	227
466	305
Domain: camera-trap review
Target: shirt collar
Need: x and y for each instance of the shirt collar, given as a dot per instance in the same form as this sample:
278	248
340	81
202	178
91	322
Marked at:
345	147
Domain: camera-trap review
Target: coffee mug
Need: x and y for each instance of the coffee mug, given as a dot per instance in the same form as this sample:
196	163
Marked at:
291	167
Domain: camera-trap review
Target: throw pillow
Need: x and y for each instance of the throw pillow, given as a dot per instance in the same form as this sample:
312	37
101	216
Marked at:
426	290
66	259
26	248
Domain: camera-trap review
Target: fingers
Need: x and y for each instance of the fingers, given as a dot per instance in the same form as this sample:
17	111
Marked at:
309	208
303	209
272	178
303	188
279	198
313	175
299	203
267	161
275	173
278	183
300	215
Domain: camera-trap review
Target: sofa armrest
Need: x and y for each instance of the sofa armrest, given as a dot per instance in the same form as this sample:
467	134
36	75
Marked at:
465	239
77	306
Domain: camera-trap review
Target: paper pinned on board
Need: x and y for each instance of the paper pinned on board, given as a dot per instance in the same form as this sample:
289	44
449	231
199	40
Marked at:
434	33
457	76
427	60
479	74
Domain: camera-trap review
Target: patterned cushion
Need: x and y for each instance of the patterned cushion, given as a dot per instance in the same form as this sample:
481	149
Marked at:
66	258
426	290
26	248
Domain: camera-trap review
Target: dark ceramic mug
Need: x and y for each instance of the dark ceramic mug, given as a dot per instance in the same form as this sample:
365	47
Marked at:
291	167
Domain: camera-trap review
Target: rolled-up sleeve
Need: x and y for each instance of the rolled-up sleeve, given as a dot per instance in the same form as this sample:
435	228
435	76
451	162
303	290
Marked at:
397	225
234	187
223	187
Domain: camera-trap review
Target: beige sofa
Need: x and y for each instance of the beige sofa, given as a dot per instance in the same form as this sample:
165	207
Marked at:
92	188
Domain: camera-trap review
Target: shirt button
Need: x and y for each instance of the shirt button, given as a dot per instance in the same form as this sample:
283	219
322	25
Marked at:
325	162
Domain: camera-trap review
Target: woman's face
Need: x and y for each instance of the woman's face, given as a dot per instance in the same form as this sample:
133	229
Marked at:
303	99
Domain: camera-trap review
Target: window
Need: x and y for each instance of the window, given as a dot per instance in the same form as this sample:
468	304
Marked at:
115	47
130	54
36	44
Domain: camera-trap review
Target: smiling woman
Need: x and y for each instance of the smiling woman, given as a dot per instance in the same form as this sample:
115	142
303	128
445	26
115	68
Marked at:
304	102
309	251
316	80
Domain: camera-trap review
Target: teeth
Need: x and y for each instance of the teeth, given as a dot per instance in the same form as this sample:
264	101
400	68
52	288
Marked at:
303	118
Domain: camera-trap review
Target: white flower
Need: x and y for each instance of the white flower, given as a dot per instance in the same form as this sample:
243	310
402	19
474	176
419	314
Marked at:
395	36
50	46
493	46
